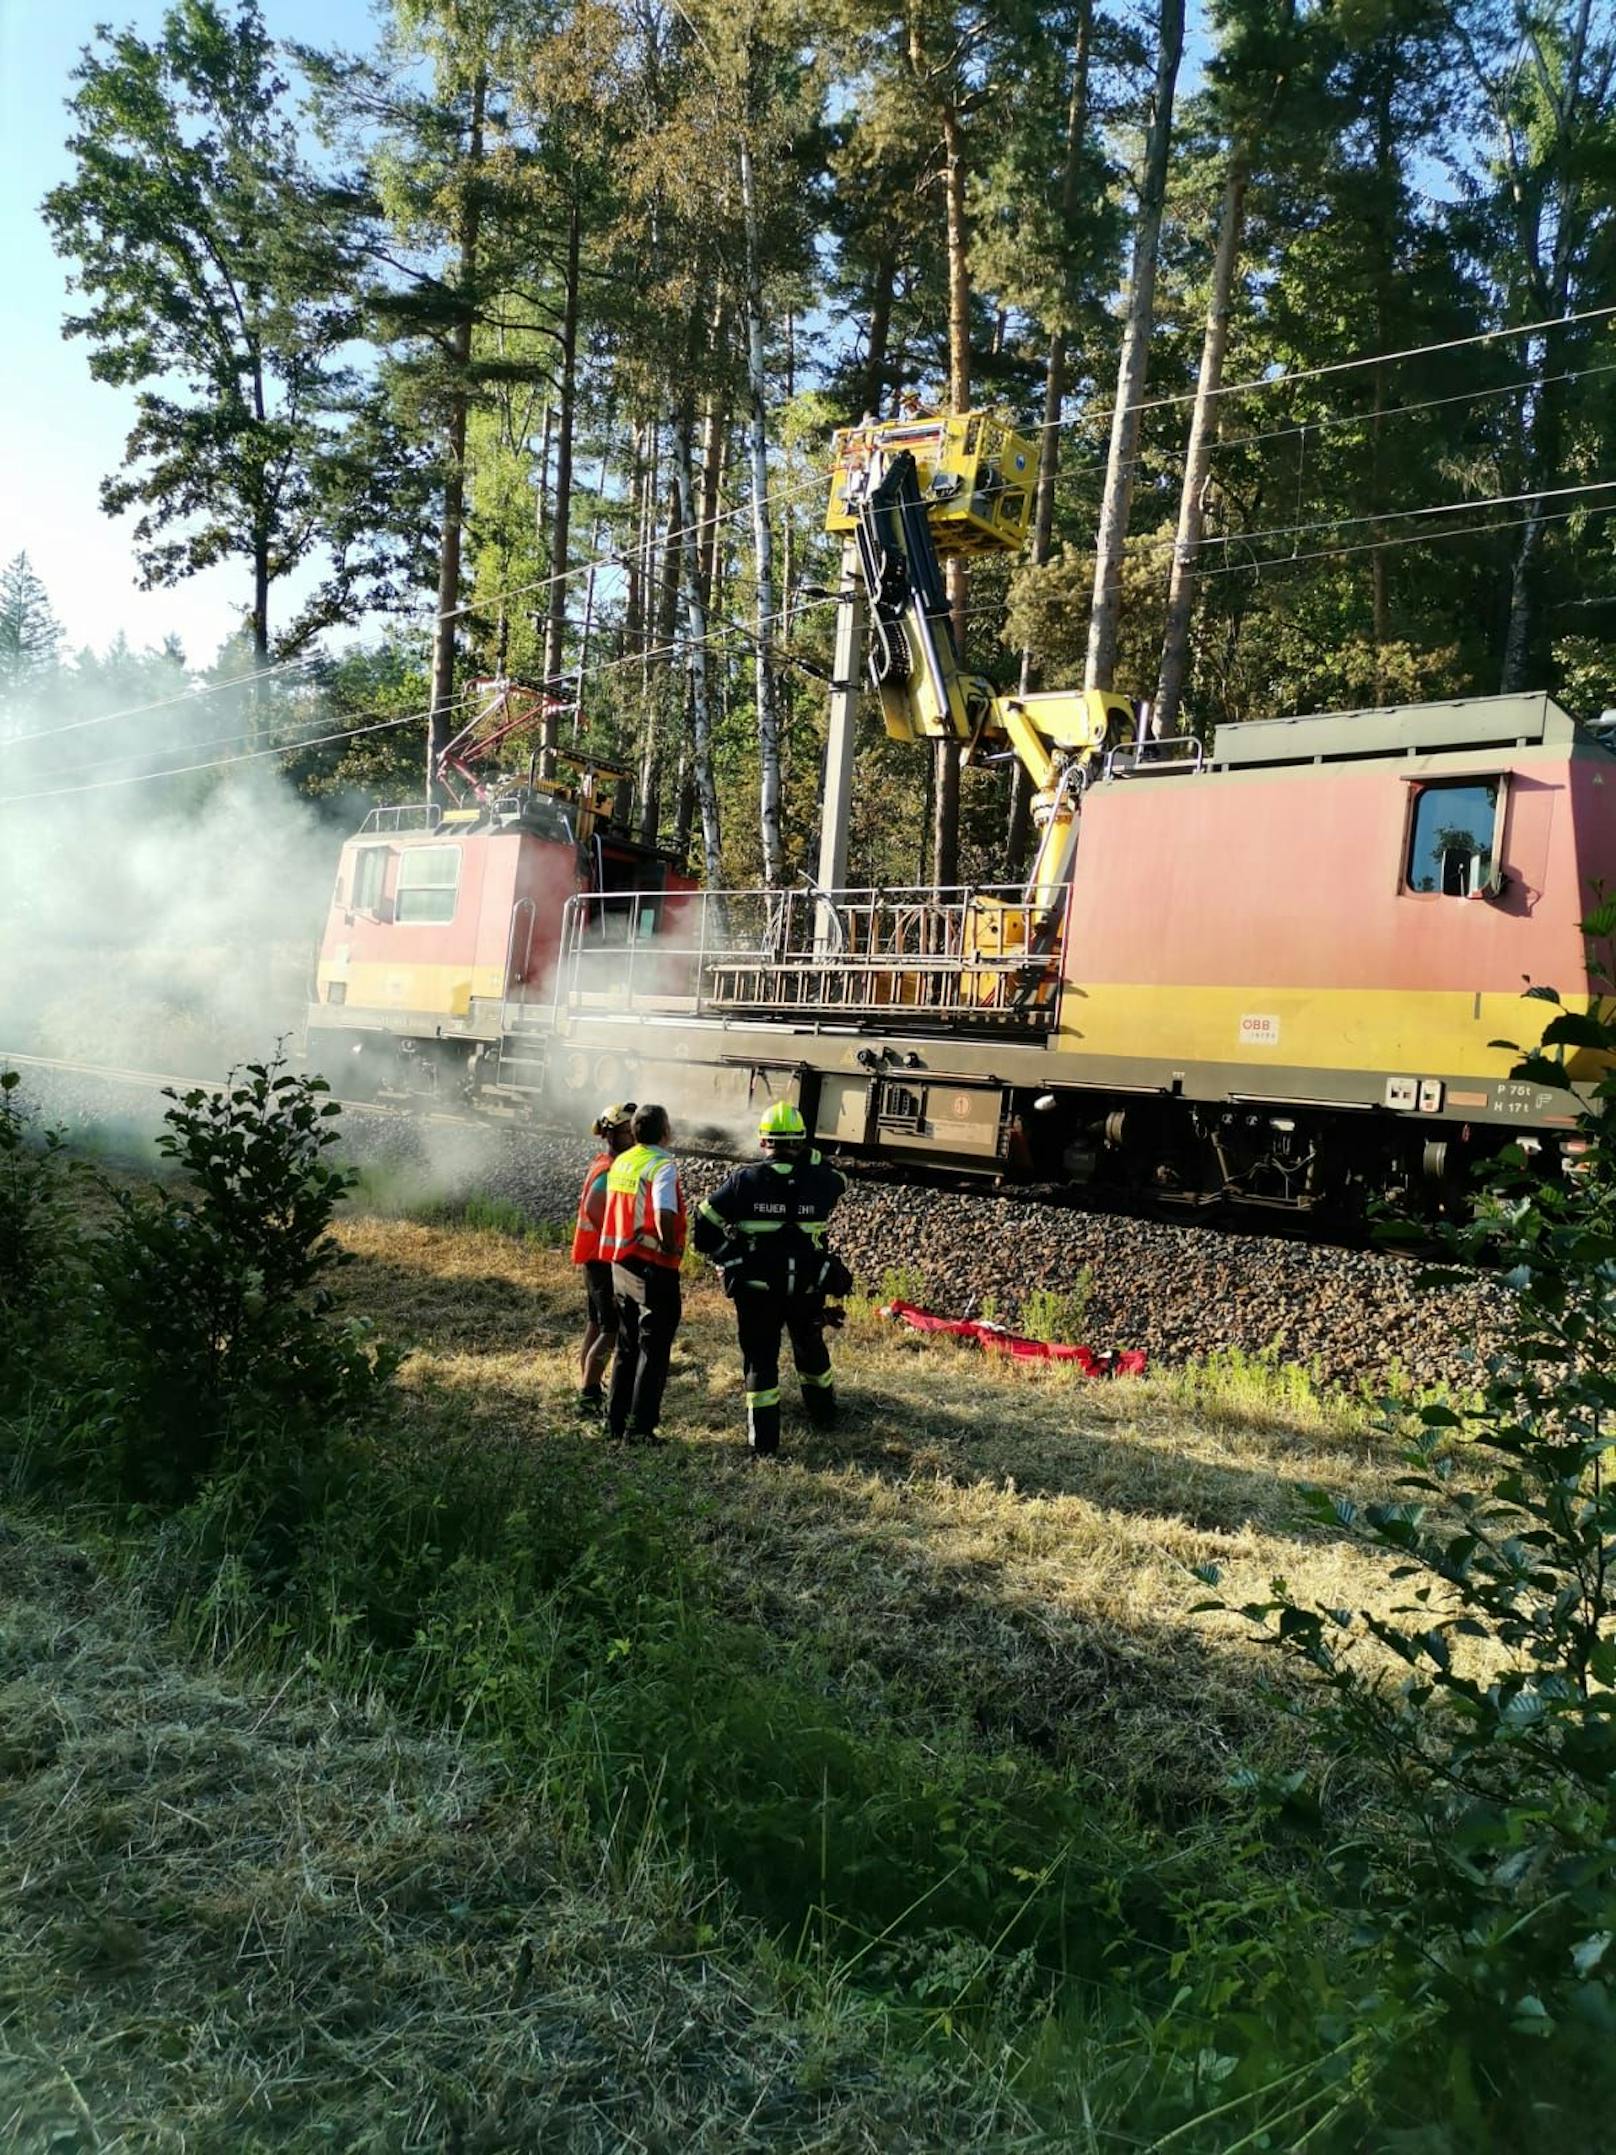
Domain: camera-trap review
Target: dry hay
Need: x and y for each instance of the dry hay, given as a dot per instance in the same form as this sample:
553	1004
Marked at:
235	1919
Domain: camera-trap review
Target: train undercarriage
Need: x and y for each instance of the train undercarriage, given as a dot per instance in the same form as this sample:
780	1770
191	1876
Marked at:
922	1035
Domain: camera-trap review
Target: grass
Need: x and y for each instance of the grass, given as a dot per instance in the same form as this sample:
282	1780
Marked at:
580	1799
1009	1544
236	1916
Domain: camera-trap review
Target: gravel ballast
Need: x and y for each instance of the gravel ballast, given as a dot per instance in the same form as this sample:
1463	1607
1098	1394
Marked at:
1179	1292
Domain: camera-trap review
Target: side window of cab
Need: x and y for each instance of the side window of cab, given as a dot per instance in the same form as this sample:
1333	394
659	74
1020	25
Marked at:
428	879
369	878
1453	838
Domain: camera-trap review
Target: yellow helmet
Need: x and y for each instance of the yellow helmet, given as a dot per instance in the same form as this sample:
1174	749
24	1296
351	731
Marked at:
781	1120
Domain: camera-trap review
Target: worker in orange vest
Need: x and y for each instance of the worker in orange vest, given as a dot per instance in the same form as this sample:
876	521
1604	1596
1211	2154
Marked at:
600	1304
642	1237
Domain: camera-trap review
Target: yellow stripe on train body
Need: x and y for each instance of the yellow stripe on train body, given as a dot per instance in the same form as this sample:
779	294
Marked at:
1370	1029
435	990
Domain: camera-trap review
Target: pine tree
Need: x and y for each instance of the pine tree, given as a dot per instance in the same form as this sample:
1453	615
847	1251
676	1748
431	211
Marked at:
208	292
30	636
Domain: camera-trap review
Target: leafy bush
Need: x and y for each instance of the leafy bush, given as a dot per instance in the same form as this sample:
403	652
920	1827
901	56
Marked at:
1057	1315
214	1302
34	1233
1484	1899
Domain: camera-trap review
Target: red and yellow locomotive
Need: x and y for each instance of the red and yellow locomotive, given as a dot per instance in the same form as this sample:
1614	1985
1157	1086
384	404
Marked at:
1271	971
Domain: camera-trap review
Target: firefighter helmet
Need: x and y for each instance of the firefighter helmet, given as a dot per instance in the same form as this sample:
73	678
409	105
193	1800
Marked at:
781	1123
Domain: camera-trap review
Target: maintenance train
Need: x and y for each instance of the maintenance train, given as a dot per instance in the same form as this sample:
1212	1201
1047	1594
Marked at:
1274	971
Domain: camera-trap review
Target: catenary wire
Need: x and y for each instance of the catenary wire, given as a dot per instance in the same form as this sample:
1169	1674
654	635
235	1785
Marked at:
1378	516
287	747
1262	383
658	544
618	559
184	770
1386	546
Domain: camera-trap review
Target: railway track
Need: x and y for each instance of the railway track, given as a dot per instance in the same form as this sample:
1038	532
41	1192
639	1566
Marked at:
1119	1280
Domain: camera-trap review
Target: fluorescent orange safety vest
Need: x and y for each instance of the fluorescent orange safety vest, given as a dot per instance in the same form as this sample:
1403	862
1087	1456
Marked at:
629	1228
591	1211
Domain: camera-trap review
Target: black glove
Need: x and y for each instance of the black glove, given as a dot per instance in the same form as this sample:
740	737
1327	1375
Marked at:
834	1277
833	1317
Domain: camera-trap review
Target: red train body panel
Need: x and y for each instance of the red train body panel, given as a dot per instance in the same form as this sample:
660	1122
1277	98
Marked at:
1278	973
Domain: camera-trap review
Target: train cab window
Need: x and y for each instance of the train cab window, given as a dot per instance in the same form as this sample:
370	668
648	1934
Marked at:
369	878
428	878
1452	832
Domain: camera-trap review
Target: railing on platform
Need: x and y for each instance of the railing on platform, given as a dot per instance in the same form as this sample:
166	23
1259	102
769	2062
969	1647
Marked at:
406	816
981	957
1163	752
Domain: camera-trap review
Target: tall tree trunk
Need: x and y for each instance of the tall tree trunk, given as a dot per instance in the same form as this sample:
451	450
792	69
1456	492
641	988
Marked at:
657	668
701	740
555	626
768	716
1198	455
1049	436
946	800
633	553
1543	437
714	451
454	484
872	382
1104	617
1573	98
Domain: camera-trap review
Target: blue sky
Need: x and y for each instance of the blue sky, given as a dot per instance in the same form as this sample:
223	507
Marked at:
64	432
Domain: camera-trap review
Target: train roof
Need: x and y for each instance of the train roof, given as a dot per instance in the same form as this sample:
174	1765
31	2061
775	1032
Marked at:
1405	729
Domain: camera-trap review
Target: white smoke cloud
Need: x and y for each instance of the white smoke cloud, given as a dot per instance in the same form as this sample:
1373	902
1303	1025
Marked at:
164	933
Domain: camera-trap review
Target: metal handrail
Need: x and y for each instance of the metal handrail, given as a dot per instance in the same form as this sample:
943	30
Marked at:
392	817
968	951
1133	759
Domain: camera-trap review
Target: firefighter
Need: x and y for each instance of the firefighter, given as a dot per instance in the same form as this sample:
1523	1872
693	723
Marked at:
600	1325
765	1230
642	1238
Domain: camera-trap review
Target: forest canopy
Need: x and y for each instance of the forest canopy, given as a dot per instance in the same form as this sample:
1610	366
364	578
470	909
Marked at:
511	347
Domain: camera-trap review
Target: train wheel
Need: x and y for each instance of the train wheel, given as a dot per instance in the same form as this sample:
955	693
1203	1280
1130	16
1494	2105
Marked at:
572	1074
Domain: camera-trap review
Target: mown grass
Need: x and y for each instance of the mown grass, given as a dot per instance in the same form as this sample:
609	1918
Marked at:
239	1916
909	1744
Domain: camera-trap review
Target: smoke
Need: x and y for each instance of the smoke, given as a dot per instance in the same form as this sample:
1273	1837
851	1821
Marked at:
160	933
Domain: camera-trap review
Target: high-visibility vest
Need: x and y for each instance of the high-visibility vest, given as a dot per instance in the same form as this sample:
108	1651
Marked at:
629	1228
591	1210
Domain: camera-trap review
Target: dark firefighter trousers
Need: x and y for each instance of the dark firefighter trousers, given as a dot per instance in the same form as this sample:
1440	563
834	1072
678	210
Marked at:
761	1314
649	1305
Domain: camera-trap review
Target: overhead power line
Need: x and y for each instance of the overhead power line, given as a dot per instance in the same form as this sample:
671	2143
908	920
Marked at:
1291	375
222	763
1387	546
616	559
196	693
1386	516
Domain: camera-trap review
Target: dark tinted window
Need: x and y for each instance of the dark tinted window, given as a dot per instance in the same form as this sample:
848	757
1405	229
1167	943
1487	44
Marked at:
1450	849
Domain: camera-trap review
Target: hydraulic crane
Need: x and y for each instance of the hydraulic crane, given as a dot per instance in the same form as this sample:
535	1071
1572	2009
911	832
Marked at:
905	493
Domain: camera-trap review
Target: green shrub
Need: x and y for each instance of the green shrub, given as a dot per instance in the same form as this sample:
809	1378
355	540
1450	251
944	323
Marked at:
213	1299
1057	1315
35	1232
1483	1898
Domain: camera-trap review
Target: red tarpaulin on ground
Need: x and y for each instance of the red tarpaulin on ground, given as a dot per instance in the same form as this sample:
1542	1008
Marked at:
1126	1362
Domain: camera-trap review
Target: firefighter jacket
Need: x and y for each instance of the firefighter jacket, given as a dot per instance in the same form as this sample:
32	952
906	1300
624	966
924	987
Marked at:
591	1210
641	1182
765	1227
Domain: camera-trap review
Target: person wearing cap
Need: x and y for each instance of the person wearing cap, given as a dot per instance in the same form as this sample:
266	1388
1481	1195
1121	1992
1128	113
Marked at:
765	1229
600	1323
642	1238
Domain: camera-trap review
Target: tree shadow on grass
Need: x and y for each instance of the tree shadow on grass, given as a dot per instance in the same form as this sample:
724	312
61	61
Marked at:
1064	1446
